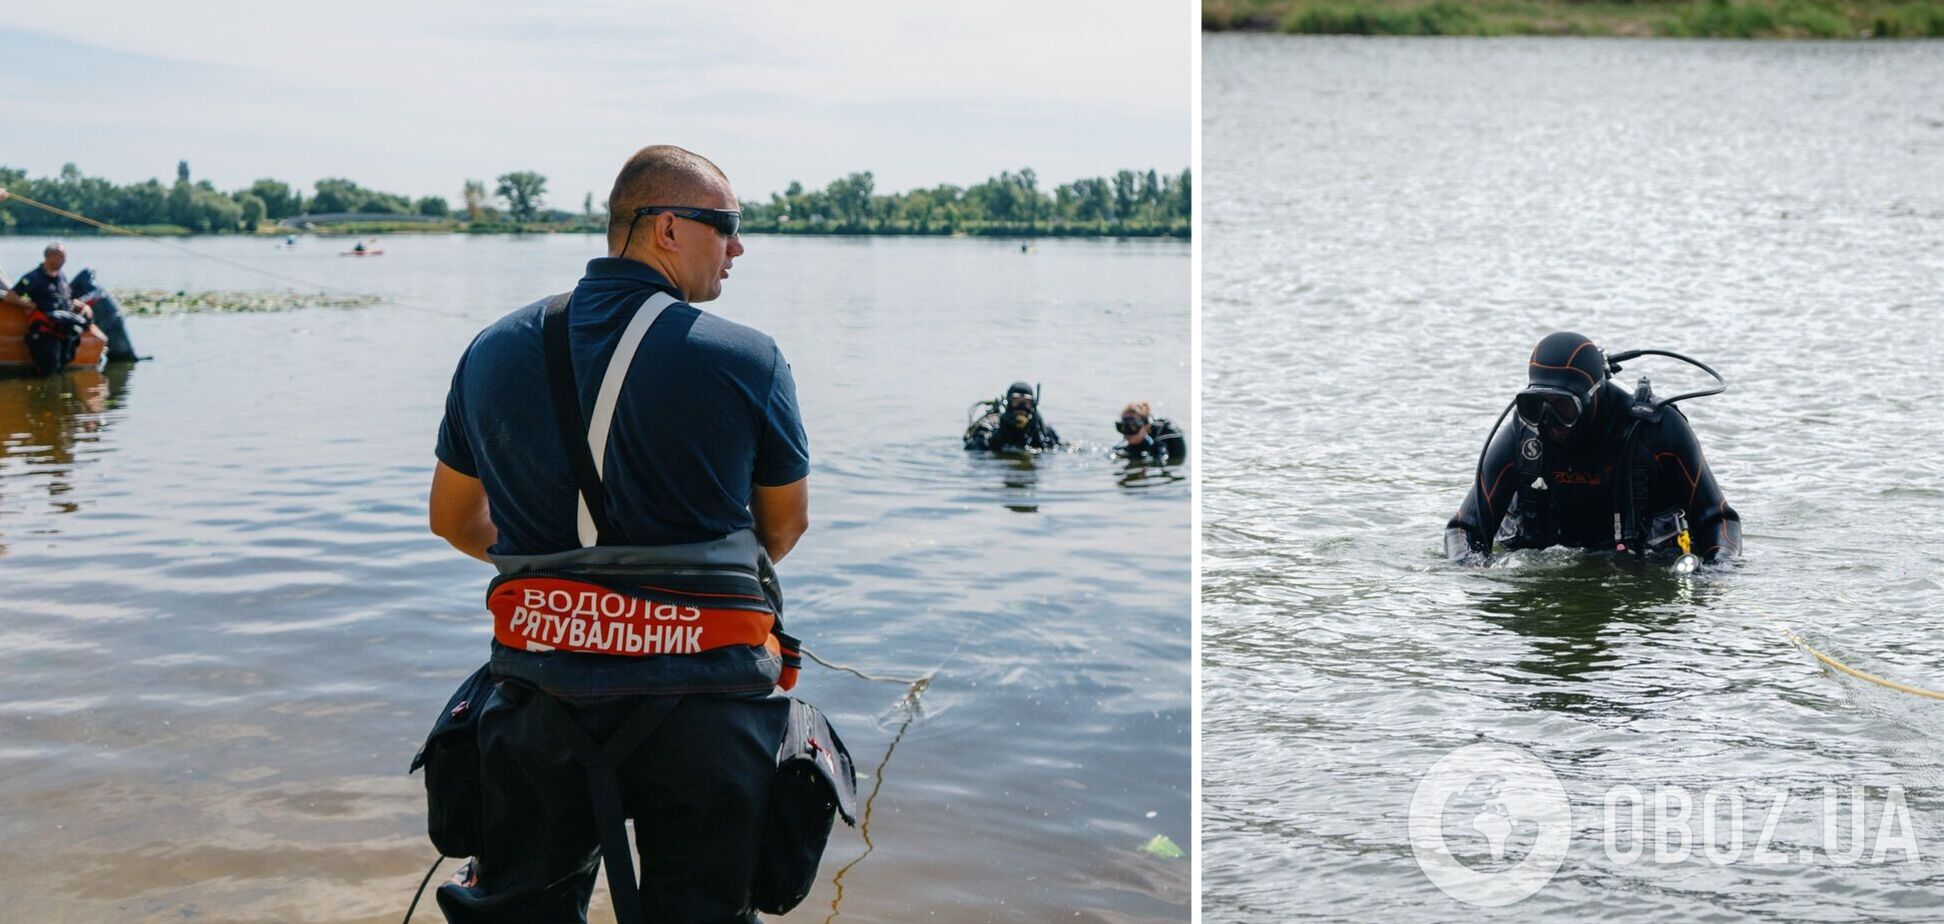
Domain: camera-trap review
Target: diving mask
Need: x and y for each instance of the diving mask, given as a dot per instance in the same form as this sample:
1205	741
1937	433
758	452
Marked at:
1541	405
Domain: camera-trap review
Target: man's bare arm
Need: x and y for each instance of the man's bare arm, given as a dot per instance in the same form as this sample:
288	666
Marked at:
459	512
782	515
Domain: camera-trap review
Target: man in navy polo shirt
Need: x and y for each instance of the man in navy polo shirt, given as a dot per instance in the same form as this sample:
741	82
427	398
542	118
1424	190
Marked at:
705	441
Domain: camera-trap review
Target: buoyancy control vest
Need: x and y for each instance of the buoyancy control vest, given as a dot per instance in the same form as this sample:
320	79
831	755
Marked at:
1535	518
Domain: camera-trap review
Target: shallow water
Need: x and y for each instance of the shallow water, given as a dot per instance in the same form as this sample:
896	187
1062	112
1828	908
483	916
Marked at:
1391	225
226	627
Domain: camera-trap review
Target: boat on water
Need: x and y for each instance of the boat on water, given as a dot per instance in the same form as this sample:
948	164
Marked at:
13	344
360	253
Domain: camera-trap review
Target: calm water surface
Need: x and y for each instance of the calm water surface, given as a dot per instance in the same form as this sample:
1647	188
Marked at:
1391	226
224	627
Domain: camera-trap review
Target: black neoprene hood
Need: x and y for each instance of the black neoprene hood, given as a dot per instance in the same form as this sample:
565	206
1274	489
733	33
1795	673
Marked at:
1567	360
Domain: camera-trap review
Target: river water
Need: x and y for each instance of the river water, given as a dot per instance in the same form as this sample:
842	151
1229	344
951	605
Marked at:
225	627
1391	225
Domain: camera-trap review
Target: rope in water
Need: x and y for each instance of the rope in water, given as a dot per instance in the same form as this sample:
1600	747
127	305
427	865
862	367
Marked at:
1834	664
915	688
8	196
919	682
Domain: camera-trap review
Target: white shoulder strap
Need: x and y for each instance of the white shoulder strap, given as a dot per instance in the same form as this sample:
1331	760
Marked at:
604	401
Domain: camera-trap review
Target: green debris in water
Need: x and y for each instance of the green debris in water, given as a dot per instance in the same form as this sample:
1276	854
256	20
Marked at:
1163	848
154	302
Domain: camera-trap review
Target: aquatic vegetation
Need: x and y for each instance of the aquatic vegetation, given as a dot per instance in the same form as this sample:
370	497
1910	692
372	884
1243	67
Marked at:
156	302
1727	19
1162	847
1440	18
1911	20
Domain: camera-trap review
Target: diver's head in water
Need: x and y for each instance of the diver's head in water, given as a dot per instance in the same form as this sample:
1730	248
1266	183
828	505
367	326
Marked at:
1134	422
1563	382
1020	406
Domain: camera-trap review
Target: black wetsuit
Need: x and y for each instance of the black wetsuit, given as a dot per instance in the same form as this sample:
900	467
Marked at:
107	316
1165	443
993	432
1586	486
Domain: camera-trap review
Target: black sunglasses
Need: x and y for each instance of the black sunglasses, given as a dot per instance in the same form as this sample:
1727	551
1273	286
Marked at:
725	222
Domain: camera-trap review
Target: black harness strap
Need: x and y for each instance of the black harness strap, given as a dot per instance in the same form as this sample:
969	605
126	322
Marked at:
573	426
1631	500
1538	520
602	761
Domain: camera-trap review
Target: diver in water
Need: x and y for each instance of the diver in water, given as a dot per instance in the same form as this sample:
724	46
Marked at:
1147	438
107	316
1011	422
1590	465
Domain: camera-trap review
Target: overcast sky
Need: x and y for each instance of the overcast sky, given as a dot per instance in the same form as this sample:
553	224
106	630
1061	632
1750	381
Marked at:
415	97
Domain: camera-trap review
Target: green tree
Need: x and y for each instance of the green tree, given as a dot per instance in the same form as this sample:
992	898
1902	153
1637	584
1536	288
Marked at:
850	199
1029	190
145	203
523	191
277	200
475	198
254	210
379	203
336	195
182	199
434	206
1125	195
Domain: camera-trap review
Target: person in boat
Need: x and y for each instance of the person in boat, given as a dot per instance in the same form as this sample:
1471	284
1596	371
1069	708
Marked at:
637	641
1012	422
1147	438
1588	464
359	247
55	321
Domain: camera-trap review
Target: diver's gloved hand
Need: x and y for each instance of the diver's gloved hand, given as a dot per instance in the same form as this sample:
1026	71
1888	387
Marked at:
1458	548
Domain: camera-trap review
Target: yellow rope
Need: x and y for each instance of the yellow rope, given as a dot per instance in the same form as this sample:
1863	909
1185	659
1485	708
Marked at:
1853	672
8	196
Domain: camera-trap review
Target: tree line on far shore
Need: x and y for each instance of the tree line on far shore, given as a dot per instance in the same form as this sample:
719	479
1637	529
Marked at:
1129	203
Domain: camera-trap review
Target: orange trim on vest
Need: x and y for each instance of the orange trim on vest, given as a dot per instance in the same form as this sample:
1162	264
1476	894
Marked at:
561	614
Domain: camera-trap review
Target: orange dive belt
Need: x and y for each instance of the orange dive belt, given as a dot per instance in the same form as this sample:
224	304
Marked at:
553	613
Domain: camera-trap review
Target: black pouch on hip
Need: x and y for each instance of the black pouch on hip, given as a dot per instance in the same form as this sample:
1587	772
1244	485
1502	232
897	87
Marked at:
814	783
450	757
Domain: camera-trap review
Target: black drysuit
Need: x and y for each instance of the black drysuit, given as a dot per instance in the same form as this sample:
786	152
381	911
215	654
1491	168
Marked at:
1577	493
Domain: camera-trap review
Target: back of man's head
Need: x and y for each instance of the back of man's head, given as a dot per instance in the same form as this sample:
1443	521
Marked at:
659	174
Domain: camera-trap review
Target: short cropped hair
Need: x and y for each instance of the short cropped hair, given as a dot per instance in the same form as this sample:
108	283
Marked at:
659	174
53	247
